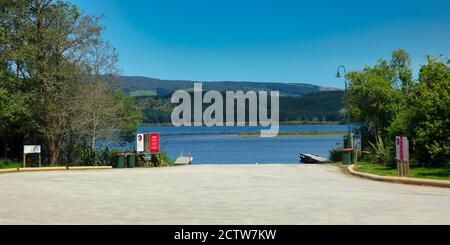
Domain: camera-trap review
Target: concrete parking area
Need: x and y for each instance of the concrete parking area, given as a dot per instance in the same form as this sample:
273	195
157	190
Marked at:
216	194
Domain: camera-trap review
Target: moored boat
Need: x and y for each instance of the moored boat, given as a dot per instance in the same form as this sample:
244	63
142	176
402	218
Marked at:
312	158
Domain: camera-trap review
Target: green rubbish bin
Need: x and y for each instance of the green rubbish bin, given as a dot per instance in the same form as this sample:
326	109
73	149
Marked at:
347	156
120	161
131	160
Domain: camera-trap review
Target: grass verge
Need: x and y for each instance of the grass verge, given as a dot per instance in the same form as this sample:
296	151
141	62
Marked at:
437	173
7	163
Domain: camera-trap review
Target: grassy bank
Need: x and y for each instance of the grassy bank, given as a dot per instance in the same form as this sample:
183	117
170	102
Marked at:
248	134
439	173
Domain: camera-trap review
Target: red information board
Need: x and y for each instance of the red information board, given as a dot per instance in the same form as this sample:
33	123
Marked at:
402	148
154	143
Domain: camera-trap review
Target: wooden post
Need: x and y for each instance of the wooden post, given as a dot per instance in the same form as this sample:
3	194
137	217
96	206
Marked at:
402	155
40	162
407	158
24	160
403	168
407	167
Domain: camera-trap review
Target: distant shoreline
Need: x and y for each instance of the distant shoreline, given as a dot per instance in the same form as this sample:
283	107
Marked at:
317	133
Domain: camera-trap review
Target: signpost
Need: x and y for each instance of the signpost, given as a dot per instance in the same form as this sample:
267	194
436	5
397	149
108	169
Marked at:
31	149
154	143
147	144
140	143
402	155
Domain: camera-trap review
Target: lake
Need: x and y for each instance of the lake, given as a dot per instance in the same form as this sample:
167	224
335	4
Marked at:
234	149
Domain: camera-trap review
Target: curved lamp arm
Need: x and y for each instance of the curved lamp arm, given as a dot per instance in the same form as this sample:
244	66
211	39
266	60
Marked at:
339	74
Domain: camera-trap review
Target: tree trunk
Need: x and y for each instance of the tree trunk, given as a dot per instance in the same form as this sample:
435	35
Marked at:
53	150
94	138
94	116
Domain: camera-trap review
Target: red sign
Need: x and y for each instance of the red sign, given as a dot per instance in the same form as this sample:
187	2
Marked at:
400	143
154	143
402	148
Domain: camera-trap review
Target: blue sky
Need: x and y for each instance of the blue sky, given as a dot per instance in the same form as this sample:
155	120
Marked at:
268	41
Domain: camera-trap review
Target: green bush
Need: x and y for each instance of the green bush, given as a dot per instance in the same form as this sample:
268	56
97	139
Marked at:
103	157
157	160
161	160
336	155
8	163
379	152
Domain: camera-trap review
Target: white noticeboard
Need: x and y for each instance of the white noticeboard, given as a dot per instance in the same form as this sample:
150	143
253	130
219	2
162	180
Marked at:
31	149
140	142
402	148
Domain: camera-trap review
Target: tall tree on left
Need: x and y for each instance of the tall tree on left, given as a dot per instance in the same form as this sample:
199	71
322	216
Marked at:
50	38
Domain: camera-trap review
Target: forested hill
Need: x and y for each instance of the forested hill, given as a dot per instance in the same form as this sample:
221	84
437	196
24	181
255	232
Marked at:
298	101
314	107
145	86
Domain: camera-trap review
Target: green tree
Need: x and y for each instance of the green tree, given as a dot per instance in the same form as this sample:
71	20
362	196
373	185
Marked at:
372	98
388	101
401	65
379	98
53	65
431	113
129	115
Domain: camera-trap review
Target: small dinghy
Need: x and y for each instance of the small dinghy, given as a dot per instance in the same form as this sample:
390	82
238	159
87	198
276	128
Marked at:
312	158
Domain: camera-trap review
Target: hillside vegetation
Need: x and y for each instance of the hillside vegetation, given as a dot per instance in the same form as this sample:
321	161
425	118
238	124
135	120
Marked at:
314	107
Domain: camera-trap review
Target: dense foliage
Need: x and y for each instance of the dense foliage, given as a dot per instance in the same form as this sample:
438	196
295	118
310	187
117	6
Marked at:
389	102
55	76
314	107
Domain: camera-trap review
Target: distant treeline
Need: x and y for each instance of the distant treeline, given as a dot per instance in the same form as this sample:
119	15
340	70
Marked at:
146	86
313	107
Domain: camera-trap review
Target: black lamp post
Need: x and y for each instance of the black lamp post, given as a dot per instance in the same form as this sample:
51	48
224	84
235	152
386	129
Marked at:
339	75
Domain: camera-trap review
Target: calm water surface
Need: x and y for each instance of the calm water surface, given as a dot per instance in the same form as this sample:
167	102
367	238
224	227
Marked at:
234	149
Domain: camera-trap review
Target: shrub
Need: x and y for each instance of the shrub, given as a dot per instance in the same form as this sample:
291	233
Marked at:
157	160
8	163
336	155
89	156
379	152
101	157
161	160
